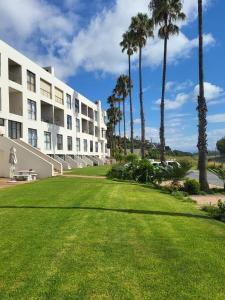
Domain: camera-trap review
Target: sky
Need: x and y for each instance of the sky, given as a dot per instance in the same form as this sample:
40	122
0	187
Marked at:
80	38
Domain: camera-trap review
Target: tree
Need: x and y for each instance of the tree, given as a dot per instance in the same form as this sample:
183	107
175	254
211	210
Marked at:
128	44
202	111
165	13
122	90
141	28
221	146
114	116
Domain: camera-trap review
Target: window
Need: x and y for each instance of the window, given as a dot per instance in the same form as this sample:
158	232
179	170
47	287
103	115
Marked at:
68	101
85	145
32	110
59	142
46	89
78	125
59	96
78	144
69	122
103	133
96	146
32	137
96	131
77	106
90	113
102	150
91	146
2	122
47	140
31	81
15	129
96	116
69	143
106	148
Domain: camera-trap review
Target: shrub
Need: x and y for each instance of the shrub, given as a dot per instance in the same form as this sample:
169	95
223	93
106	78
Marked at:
131	158
217	212
192	187
116	171
143	171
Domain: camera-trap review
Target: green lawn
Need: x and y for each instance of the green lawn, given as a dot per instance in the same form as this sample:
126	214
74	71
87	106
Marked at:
69	238
91	171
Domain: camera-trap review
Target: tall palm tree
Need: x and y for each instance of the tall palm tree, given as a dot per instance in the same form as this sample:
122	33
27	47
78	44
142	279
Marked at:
142	28
165	13
114	115
122	90
202	111
127	44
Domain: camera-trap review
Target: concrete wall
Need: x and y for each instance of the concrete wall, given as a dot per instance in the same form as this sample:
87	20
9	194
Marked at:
26	160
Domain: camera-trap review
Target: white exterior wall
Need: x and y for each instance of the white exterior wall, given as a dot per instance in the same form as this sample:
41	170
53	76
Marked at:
8	52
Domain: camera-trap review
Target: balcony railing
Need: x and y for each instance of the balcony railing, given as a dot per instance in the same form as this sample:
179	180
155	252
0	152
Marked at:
46	93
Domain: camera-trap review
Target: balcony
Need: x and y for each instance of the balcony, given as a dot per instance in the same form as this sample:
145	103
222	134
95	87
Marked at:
46	112
15	71
15	102
59	117
84	109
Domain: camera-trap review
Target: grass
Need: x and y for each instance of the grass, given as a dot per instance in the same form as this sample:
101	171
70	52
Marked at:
70	238
91	171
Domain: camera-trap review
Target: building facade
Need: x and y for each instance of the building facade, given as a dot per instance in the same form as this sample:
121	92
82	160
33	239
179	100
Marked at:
43	111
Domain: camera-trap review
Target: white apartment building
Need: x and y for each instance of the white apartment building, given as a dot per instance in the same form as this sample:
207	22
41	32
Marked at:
45	112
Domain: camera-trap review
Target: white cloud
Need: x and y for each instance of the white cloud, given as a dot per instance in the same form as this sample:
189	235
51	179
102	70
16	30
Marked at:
178	102
217	118
137	121
212	92
93	48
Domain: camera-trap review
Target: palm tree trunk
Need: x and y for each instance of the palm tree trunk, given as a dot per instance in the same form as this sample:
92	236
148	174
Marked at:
162	106
202	111
124	127
141	106
131	111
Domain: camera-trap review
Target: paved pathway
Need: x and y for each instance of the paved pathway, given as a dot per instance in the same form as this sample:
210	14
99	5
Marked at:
212	178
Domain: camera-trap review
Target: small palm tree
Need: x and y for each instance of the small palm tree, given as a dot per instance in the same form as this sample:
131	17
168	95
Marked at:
114	115
141	28
165	13
127	44
202	111
122	90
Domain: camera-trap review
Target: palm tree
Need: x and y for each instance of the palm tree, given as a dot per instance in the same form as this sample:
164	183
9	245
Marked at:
122	90
202	111
142	28
114	115
128	44
165	13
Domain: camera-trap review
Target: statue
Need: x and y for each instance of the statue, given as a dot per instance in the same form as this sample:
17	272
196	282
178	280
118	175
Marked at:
12	163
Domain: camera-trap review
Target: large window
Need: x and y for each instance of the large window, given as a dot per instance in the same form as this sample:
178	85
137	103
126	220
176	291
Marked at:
69	122
96	146
78	125
77	106
32	109
32	137
31	81
96	116
15	130
78	144
47	140
46	89
85	145
91	146
59	142
2	122
69	143
68	101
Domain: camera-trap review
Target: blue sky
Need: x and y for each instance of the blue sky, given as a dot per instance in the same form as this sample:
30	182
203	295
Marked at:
81	39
